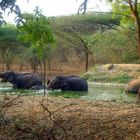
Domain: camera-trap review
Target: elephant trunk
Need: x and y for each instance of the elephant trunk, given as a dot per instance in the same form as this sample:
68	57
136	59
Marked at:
49	84
1	75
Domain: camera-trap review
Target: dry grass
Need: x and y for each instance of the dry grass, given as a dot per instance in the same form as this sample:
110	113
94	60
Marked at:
57	118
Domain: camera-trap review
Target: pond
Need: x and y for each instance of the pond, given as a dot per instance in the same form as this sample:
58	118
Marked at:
97	91
112	92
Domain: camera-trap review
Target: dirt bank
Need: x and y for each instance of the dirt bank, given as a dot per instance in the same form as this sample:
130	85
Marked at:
57	118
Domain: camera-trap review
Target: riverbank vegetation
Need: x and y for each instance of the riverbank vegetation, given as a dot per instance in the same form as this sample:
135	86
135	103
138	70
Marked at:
113	73
94	46
80	43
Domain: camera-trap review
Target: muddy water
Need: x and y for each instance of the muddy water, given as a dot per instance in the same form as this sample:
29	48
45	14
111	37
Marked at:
112	92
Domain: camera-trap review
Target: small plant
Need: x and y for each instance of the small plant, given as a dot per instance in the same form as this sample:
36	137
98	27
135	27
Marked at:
124	78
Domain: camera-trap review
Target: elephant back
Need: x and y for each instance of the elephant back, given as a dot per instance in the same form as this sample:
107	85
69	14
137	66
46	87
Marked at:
133	86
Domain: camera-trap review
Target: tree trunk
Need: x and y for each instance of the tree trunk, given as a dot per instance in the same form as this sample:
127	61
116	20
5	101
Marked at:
86	59
49	65
44	75
3	60
8	67
138	36
135	17
21	67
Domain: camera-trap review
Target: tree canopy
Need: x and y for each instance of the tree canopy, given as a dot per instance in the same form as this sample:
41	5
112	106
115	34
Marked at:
129	11
36	29
9	5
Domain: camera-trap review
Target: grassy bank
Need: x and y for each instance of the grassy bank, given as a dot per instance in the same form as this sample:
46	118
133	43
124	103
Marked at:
118	73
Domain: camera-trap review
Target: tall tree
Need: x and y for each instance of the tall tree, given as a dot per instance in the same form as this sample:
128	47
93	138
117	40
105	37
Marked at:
84	35
9	46
130	11
37	30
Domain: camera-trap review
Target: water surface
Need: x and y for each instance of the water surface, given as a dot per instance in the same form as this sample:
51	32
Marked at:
109	92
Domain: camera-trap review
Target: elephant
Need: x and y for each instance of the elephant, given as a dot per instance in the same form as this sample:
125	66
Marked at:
134	87
68	83
22	80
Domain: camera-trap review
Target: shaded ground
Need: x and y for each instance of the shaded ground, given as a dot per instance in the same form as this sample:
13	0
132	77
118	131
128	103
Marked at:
57	118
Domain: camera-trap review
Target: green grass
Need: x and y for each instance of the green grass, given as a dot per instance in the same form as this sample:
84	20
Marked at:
104	77
68	94
124	78
23	92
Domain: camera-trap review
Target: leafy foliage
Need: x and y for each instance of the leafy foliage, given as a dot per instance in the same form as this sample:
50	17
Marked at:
83	32
105	40
130	12
9	45
36	29
8	33
122	8
8	5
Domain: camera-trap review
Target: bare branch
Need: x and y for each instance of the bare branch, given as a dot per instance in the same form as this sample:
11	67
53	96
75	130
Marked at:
83	7
51	117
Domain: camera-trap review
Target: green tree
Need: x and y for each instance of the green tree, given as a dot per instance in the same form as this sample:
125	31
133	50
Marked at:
83	44
83	32
9	45
130	11
37	30
115	47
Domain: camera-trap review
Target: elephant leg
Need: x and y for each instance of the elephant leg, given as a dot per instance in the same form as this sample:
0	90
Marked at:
14	86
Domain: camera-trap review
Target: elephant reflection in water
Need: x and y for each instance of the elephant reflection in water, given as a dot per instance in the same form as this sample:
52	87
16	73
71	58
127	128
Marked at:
22	80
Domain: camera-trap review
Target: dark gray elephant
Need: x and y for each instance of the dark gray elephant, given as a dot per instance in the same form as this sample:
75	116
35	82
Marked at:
22	80
68	83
